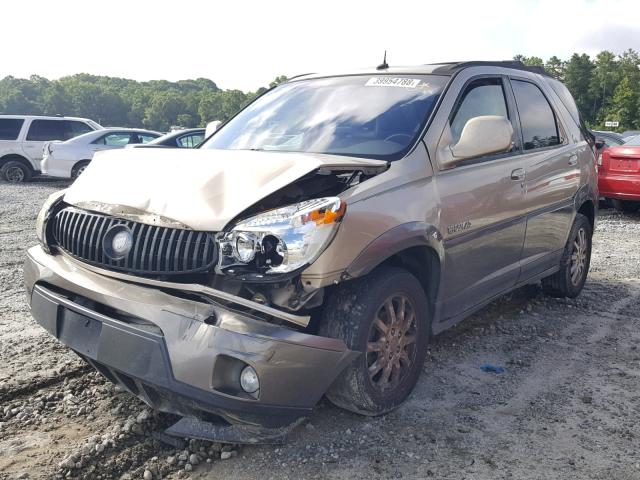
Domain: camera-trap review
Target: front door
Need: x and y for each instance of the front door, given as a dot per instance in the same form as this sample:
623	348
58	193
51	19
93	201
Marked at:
482	207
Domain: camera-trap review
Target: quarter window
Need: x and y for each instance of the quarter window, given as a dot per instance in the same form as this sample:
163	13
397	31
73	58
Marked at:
481	97
538	122
10	128
75	128
46	130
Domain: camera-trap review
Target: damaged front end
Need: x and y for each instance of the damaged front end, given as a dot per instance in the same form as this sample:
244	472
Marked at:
185	312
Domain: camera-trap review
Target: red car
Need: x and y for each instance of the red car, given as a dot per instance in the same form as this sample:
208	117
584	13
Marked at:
619	175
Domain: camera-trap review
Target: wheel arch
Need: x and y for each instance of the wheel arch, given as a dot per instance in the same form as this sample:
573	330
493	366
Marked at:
586	203
16	157
415	246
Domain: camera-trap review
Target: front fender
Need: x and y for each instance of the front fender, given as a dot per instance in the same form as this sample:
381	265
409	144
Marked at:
393	241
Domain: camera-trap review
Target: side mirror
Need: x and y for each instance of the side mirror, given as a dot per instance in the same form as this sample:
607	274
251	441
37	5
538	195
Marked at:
600	144
483	136
211	128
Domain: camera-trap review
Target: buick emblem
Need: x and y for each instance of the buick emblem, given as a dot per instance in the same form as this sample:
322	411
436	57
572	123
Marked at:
117	242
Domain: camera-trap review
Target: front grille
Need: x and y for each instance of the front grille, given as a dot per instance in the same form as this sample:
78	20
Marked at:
155	250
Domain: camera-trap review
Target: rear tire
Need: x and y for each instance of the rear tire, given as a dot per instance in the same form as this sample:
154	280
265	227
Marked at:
15	171
574	265
626	206
385	315
78	168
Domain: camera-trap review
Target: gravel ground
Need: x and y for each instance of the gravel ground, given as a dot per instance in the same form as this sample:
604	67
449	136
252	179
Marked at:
565	406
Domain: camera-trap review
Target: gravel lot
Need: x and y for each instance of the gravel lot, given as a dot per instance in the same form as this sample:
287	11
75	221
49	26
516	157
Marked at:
565	407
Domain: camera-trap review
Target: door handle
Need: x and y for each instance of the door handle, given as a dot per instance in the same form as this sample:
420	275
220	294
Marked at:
517	174
573	160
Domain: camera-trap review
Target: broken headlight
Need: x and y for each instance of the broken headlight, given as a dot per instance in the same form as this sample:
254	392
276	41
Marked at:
44	215
284	239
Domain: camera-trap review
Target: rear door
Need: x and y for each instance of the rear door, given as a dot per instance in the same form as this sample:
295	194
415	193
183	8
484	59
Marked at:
552	178
482	205
42	131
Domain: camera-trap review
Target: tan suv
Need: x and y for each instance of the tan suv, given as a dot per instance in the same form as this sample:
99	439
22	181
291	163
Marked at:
316	241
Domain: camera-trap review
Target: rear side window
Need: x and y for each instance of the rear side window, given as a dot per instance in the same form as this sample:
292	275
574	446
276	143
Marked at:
10	128
75	128
190	141
481	97
46	130
537	120
145	137
114	139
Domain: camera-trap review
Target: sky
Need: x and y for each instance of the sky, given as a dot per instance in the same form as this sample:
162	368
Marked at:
246	44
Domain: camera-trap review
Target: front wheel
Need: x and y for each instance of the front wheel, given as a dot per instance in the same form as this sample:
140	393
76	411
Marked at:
626	206
384	315
574	265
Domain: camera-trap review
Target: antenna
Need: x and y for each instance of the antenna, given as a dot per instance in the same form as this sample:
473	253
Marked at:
384	65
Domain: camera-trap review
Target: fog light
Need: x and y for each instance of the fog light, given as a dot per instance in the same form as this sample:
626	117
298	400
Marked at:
249	380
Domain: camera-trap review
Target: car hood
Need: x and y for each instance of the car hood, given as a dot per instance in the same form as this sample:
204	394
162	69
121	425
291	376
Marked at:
202	189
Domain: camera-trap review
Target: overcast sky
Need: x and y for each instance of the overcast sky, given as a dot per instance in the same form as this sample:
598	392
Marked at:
245	44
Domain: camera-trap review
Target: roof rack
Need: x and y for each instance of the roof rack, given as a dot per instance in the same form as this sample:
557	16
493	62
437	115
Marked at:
452	67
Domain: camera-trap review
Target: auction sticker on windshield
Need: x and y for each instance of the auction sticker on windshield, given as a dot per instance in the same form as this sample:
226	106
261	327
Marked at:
393	82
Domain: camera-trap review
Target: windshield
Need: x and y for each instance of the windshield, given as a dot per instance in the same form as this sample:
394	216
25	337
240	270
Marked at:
633	141
373	116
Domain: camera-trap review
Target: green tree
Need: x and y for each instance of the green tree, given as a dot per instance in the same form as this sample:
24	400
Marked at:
578	77
555	67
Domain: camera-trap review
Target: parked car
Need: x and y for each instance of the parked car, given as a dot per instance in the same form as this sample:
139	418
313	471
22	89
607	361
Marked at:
619	175
604	139
23	136
187	138
630	133
316	242
69	159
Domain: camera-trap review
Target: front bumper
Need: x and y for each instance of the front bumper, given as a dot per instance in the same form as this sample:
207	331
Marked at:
180	355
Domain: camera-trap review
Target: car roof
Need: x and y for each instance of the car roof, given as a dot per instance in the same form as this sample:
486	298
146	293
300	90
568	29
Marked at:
128	129
444	68
44	117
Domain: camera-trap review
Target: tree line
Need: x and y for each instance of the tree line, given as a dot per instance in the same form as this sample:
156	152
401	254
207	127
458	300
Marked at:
606	87
110	101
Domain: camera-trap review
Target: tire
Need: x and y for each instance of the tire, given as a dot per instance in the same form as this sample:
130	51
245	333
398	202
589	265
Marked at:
626	206
78	168
15	171
568	282
349	315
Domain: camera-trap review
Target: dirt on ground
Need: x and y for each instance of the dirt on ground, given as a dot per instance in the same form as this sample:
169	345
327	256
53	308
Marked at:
565	406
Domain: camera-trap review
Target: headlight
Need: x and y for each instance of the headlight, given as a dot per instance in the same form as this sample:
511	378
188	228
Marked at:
284	239
44	215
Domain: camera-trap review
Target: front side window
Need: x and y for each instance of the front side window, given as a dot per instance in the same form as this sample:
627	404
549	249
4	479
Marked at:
46	130
10	128
75	128
481	97
372	116
190	141
537	120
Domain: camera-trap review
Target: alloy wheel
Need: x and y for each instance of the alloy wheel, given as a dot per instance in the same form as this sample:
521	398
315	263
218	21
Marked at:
14	174
579	256
391	348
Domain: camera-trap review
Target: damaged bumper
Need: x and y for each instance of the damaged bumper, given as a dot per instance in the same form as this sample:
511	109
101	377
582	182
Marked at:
181	355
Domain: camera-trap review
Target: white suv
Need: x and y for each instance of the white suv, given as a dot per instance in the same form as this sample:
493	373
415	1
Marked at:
22	138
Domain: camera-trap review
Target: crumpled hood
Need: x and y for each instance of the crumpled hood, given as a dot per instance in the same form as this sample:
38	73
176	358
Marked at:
202	189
